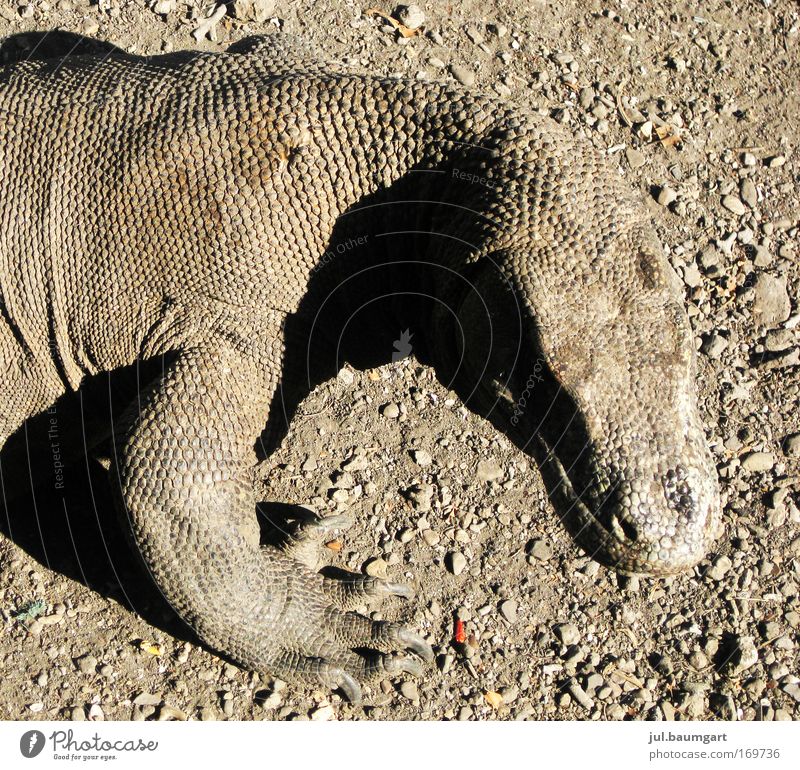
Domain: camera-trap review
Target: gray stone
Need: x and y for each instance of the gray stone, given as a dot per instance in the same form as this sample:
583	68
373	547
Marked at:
489	470
456	562
733	204
791	445
778	339
147	699
508	609
410	691
762	257
474	34
252	10
462	74
691	275
411	16
771	303
635	158
322	714
567	633
745	655
86	664
579	695
792	690
540	549
713	345
376	567
666	196
758	462
748	193
421	457
720	566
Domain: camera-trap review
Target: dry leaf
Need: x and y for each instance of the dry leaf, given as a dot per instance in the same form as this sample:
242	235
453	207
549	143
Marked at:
494	699
667	135
401	28
151	649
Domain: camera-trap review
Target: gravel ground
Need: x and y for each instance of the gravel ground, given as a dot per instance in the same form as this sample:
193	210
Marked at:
698	104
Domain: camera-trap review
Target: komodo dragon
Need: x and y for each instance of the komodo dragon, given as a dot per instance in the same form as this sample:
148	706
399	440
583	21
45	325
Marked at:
208	207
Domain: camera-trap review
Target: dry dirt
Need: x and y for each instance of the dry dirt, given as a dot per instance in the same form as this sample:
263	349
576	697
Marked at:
694	102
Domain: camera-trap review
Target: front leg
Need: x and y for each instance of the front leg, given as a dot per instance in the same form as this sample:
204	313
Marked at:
184	471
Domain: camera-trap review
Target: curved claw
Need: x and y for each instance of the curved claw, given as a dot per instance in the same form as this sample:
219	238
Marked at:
402	664
415	643
329	523
396	589
340	679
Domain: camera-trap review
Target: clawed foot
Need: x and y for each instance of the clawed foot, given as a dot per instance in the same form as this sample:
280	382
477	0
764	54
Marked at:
325	640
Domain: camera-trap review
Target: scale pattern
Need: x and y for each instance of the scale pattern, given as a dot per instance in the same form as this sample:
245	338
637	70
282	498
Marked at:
189	205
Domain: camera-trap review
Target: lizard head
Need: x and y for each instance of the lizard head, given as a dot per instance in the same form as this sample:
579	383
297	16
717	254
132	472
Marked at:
590	367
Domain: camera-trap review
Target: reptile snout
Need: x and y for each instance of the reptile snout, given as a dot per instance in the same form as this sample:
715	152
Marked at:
659	527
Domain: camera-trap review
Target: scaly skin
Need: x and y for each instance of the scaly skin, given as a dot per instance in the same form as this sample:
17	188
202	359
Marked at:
206	207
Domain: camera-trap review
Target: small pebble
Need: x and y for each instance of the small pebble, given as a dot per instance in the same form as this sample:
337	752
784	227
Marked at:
635	158
733	204
579	695
719	568
714	345
748	193
771	303
508	609
322	714
462	74
791	445
488	470
567	633
745	655
456	562
147	699
409	691
410	16
86	664
758	462
376	568
540	550
666	196
422	458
